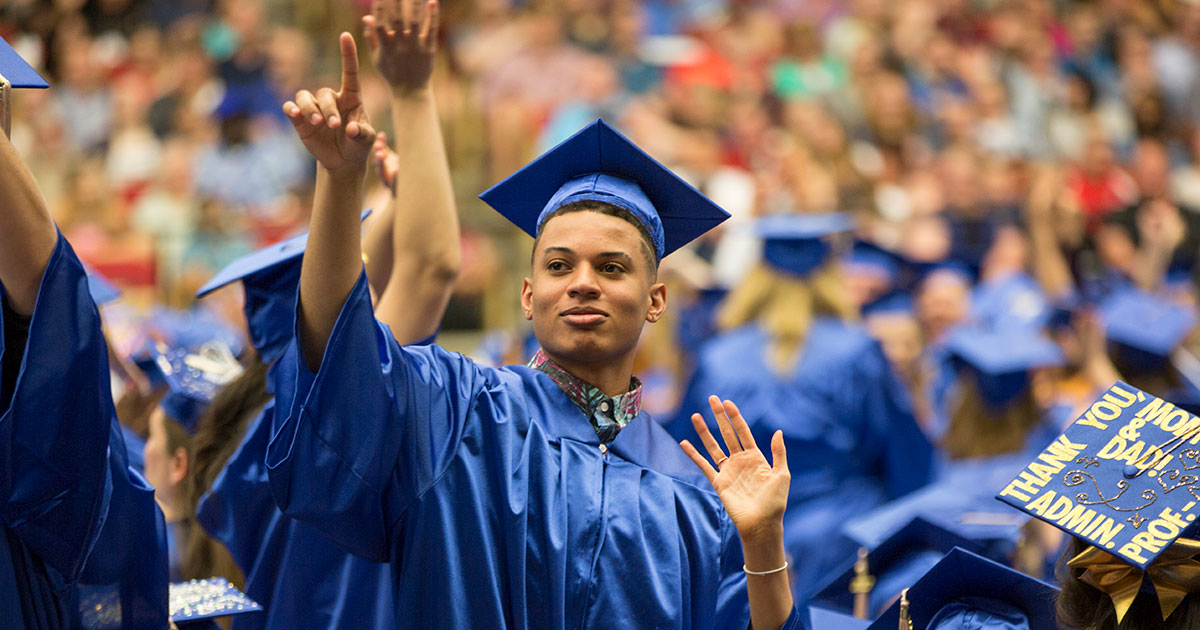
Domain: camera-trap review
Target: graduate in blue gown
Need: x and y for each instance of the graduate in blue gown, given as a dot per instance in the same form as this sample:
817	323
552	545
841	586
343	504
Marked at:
795	361
82	538
299	575
527	496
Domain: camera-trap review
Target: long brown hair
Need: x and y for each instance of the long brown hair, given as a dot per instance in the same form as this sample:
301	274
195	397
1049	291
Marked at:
219	431
980	430
785	305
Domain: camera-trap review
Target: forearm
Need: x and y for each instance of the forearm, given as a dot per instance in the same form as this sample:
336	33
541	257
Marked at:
332	259
425	245
377	244
27	233
1150	266
1050	266
770	595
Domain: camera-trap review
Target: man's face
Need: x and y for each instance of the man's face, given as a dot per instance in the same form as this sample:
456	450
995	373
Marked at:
592	288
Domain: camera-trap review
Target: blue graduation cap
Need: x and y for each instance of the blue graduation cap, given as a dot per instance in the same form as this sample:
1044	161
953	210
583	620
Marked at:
894	565
1146	328
193	378
965	591
1122	477
600	164
18	71
894	303
1001	360
796	243
270	277
824	619
961	501
1014	301
870	258
196	604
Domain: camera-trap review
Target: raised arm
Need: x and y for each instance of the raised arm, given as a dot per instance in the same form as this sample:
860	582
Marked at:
335	129
425	257
27	233
754	493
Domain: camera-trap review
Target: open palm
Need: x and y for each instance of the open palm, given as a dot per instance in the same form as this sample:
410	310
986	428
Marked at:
334	126
753	490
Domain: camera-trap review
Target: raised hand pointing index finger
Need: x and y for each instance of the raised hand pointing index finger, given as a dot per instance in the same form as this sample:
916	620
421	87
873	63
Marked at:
350	95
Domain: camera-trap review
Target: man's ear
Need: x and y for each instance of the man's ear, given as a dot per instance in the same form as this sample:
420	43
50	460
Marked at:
658	302
527	298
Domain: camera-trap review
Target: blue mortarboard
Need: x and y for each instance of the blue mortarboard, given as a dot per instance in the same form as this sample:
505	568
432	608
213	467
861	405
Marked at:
269	278
247	100
1014	301
824	619
600	164
796	243
1122	477
18	72
1148	328
961	501
197	603
1001	359
895	564
894	303
193	378
965	591
871	258
102	290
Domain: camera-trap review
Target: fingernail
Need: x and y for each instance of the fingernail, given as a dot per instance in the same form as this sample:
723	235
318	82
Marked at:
333	121
316	119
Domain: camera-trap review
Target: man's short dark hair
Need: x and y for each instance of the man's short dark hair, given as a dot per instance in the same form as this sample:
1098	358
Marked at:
600	207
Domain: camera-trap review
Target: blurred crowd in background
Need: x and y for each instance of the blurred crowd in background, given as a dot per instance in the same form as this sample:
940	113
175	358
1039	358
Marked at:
1058	139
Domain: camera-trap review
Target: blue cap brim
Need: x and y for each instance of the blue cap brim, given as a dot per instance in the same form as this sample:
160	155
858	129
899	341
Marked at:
682	212
964	574
896	564
1146	323
18	71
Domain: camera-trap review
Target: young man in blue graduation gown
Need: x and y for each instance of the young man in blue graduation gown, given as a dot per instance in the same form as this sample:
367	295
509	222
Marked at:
301	577
501	497
83	541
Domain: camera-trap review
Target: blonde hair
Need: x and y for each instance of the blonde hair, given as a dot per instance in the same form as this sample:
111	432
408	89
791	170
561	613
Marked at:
785	305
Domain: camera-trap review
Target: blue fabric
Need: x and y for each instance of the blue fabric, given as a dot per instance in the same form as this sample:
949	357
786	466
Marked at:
135	449
979	613
299	576
487	491
1012	302
851	438
81	529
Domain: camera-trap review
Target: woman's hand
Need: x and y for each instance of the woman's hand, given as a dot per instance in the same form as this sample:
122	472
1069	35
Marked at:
402	36
753	490
334	126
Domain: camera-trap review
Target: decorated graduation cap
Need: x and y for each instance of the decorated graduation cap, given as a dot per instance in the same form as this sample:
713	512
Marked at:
1125	479
965	591
600	164
1001	359
197	604
269	278
1145	328
797	244
17	71
881	573
193	378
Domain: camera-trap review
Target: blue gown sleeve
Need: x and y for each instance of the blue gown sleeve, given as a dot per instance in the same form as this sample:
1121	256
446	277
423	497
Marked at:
354	444
906	462
54	426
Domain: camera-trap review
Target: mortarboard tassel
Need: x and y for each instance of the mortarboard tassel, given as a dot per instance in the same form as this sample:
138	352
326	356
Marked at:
905	622
861	585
